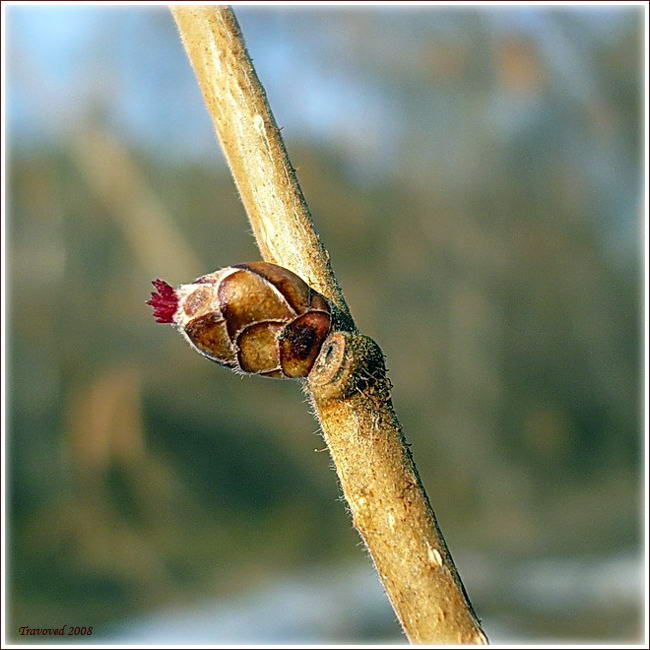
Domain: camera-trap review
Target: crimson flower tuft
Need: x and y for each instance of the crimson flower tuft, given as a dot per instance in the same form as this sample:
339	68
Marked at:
164	302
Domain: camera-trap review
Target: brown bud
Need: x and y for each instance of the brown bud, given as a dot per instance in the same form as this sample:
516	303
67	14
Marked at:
348	362
255	318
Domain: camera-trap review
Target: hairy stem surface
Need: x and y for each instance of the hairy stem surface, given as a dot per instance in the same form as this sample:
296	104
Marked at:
348	386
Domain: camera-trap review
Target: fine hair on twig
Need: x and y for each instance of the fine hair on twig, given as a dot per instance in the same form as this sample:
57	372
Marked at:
348	386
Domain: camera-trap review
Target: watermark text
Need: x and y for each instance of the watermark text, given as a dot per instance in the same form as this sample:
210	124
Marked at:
66	630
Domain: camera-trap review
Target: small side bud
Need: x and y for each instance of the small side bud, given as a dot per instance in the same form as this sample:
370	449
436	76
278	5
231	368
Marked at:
164	302
348	362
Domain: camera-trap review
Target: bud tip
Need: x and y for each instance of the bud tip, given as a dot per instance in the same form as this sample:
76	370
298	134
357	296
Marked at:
164	302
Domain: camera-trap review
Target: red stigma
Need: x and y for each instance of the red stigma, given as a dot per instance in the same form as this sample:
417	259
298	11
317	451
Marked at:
164	302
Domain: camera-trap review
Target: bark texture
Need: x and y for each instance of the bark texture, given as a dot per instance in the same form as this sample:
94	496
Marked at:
348	386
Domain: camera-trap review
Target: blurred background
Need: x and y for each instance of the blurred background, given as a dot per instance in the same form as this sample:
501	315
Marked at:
476	176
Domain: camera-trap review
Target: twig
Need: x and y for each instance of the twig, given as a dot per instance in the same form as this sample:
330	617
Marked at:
348	385
119	184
